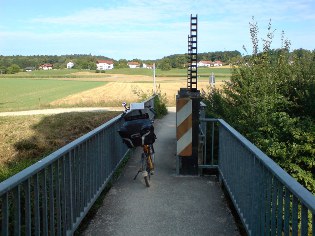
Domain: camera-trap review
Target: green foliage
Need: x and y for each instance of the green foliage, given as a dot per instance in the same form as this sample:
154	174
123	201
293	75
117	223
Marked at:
122	63
270	99
160	99
14	68
224	56
165	64
160	105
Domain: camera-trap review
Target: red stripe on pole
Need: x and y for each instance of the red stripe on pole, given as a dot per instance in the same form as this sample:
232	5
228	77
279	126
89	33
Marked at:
184	127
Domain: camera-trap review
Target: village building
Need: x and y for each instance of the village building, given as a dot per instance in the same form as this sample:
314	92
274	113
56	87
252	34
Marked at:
147	66
104	64
70	64
204	63
46	66
209	63
217	63
133	64
29	68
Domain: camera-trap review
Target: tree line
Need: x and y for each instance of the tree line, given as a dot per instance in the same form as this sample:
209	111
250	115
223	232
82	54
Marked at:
14	64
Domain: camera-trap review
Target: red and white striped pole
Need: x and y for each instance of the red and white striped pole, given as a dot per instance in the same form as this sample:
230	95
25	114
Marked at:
184	126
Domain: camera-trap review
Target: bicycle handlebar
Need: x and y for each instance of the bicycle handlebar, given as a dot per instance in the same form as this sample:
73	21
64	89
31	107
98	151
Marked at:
124	104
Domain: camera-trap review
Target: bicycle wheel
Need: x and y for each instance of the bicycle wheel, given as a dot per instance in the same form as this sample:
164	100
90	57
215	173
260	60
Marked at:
147	181
146	176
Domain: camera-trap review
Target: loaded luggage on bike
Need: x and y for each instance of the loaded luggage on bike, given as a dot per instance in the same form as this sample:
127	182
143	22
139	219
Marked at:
136	131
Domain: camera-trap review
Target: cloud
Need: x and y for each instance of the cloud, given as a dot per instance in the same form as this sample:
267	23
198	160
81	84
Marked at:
153	29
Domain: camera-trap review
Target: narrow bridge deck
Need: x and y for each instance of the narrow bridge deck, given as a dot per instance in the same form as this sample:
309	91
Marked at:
173	205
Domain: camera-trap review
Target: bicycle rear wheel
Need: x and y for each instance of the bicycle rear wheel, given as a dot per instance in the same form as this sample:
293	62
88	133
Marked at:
146	176
147	181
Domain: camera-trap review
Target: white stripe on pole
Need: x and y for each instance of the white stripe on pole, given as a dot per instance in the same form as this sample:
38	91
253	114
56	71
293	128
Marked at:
184	112
184	141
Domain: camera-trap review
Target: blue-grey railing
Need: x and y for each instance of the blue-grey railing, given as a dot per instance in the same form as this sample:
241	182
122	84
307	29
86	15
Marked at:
268	200
52	196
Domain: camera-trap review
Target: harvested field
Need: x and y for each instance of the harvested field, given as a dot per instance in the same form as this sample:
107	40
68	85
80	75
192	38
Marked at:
121	89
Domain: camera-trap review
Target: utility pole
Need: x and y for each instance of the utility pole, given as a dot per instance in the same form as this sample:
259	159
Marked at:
154	84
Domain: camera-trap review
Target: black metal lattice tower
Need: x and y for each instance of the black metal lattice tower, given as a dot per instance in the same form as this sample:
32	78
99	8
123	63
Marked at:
192	72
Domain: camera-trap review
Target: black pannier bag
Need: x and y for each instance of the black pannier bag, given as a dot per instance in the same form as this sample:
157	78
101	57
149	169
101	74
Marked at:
137	131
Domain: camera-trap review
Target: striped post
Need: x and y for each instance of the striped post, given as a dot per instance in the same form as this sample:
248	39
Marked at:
184	126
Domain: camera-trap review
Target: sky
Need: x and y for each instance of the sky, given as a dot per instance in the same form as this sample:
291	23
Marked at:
148	29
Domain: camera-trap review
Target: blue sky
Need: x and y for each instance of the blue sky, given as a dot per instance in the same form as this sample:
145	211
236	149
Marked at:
147	29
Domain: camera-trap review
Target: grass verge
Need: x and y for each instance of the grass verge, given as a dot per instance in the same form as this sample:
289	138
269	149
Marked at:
27	139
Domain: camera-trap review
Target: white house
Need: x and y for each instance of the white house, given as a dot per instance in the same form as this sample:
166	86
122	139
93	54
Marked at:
46	66
70	64
29	68
204	64
133	64
104	64
148	66
217	63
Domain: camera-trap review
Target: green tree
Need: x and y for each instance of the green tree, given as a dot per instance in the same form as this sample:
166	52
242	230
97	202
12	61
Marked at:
121	63
165	64
14	68
270	100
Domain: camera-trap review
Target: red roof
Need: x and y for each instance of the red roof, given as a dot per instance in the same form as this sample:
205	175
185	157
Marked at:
104	61
206	62
46	65
133	63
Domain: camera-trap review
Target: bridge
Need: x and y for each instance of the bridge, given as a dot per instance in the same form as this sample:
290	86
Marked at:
173	205
53	196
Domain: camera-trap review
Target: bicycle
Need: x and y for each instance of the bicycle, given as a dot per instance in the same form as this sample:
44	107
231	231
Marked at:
137	131
147	164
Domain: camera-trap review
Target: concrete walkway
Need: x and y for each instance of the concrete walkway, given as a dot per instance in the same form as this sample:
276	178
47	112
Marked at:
173	205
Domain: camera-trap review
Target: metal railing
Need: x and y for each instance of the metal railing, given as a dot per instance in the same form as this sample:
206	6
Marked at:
268	200
52	196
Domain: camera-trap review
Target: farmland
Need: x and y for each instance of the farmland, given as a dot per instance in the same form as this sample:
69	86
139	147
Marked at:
25	139
68	88
24	94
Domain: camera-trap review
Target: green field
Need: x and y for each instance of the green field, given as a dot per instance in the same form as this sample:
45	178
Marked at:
37	89
25	94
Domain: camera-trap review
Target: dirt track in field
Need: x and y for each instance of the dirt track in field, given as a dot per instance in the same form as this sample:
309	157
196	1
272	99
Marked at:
121	88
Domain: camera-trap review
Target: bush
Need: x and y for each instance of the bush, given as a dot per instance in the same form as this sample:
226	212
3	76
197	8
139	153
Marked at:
270	100
160	99
159	107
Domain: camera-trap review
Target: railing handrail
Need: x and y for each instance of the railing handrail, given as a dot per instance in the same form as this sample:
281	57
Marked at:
55	193
20	177
305	196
